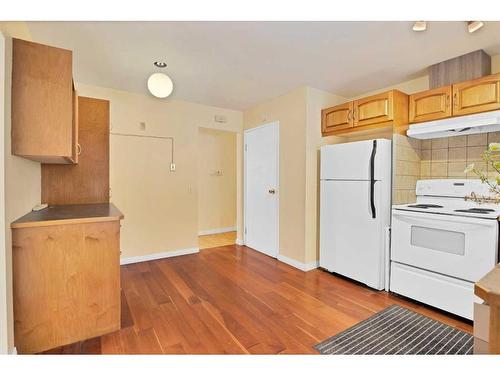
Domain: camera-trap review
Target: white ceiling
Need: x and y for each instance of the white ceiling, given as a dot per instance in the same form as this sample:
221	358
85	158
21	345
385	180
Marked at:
239	64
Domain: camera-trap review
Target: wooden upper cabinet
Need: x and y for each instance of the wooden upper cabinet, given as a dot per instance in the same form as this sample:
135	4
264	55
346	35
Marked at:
337	118
87	182
430	105
478	95
373	109
371	113
43	126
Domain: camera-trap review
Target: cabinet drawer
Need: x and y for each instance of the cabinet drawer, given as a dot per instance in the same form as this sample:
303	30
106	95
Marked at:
446	293
430	105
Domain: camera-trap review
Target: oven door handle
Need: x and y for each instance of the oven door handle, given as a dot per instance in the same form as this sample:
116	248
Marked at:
372	179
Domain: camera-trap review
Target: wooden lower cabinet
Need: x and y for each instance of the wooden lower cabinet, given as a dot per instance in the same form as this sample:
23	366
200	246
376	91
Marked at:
430	105
66	281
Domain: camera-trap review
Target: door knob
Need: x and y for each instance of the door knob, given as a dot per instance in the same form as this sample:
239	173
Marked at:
272	191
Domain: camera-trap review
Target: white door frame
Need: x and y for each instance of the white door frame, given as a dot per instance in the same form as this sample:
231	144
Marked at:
245	132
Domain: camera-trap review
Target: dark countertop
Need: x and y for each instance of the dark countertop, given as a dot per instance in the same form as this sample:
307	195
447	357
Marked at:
69	214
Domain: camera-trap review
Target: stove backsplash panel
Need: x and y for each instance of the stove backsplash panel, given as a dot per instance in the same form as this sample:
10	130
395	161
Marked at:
415	159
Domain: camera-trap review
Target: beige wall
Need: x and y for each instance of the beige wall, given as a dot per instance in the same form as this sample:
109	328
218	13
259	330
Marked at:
160	207
299	115
216	179
22	177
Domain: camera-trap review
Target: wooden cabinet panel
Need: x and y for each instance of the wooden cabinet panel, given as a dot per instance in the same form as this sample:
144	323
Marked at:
430	105
478	95
373	109
66	283
42	102
88	181
376	112
337	117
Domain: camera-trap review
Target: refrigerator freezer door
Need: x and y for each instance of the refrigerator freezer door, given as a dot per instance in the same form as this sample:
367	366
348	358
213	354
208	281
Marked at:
351	161
351	240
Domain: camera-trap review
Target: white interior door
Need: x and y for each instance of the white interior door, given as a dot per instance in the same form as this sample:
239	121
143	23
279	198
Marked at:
261	188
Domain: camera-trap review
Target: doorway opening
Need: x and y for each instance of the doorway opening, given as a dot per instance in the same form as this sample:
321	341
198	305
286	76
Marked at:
217	188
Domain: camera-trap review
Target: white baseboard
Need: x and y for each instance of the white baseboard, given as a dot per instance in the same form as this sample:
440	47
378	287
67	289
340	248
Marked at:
166	254
217	230
295	263
239	242
14	351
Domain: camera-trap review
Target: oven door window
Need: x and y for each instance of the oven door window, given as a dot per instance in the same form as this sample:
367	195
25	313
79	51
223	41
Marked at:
438	239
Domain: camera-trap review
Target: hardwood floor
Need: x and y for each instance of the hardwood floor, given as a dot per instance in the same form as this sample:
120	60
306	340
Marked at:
233	299
216	240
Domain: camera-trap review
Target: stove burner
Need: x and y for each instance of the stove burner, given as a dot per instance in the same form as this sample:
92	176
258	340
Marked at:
477	210
425	206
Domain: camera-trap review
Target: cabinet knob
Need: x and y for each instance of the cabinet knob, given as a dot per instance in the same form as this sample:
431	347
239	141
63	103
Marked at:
78	148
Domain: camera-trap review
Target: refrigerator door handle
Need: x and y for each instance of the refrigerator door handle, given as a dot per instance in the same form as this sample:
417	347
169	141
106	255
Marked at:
372	178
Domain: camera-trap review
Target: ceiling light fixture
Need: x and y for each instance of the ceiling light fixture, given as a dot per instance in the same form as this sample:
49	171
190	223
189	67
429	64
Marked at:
160	64
160	85
420	26
473	26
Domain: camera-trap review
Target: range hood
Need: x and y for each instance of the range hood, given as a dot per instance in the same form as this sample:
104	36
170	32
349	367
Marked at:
470	124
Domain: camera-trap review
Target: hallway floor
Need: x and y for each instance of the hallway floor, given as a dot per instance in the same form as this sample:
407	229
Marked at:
216	240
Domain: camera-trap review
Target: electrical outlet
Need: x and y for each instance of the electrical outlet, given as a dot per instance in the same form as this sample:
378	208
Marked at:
142	126
172	167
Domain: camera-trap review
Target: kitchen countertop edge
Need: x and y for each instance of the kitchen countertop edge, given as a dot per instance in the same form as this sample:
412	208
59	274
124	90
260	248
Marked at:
103	212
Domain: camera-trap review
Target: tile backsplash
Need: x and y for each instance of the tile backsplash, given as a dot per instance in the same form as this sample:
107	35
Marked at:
415	159
448	157
406	159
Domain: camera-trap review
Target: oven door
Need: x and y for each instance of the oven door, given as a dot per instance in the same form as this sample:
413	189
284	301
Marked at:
462	247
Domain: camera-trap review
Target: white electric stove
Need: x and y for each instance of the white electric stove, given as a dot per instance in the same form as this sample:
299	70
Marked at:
441	245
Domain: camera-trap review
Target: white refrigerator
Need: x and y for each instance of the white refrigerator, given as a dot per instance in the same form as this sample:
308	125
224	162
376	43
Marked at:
355	210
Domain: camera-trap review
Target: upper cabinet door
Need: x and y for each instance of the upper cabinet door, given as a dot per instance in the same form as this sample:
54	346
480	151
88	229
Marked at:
478	95
42	103
430	105
336	118
374	109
